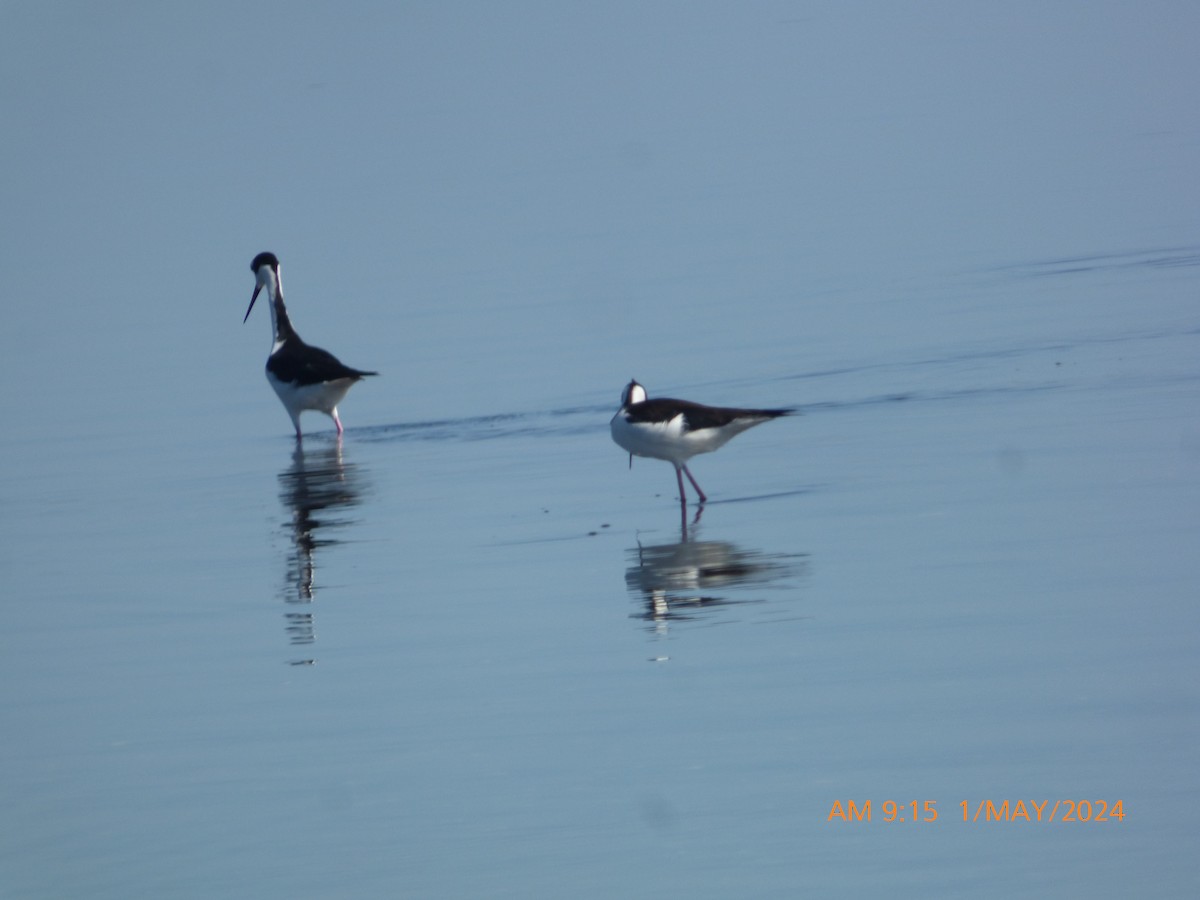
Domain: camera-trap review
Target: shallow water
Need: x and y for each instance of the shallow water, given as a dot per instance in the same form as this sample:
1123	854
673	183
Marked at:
476	655
468	651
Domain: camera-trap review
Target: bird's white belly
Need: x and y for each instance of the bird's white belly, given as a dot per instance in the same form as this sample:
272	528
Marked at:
322	397
665	440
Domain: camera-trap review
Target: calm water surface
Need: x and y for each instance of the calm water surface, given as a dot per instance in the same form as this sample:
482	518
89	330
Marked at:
481	656
468	652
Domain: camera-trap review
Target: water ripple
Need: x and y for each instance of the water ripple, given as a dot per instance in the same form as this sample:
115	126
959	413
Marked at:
1162	258
593	418
561	421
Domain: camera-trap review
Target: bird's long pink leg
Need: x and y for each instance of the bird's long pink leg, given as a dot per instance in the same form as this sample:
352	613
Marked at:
703	499
338	422
682	501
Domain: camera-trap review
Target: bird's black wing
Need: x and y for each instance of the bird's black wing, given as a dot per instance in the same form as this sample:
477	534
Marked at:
302	364
696	416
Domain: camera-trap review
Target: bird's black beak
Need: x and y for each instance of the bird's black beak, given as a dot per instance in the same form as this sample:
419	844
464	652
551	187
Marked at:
253	297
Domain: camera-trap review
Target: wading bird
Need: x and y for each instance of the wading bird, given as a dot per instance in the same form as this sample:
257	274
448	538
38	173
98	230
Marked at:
304	377
676	430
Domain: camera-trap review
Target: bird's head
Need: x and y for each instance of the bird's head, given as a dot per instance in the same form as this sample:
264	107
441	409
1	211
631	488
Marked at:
266	274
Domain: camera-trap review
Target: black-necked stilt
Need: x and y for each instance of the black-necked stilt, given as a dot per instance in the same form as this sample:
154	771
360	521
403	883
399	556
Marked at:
304	377
676	430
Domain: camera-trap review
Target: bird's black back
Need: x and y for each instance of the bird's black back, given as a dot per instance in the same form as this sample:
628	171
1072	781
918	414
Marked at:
299	363
696	416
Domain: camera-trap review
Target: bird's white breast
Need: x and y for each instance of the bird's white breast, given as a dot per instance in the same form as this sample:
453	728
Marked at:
671	440
667	440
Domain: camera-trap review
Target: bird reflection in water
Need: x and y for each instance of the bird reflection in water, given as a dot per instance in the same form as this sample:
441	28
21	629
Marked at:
689	579
317	489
